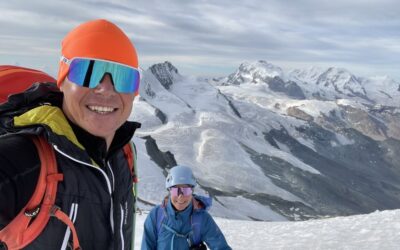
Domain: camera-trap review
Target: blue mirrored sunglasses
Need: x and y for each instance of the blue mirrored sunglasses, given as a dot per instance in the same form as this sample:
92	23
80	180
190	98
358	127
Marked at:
89	72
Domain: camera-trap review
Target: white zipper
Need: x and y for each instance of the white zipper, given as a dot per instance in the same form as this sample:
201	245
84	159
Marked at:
120	229
112	205
112	217
112	175
72	216
110	190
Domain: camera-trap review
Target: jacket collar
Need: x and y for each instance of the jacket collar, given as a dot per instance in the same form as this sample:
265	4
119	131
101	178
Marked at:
96	146
56	123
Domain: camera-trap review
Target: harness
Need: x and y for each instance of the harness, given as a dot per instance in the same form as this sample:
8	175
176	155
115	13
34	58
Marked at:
193	237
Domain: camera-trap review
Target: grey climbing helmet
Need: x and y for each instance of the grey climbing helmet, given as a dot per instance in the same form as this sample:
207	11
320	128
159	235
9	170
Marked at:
180	175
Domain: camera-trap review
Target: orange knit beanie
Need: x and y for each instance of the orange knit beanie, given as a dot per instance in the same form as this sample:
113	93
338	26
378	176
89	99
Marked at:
99	39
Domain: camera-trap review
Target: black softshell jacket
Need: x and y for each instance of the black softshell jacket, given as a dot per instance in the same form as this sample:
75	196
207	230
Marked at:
96	191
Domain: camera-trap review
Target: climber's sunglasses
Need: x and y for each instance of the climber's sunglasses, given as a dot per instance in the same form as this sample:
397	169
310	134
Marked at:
89	72
185	191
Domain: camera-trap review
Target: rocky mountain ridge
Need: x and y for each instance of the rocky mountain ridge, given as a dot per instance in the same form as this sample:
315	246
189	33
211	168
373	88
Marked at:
293	145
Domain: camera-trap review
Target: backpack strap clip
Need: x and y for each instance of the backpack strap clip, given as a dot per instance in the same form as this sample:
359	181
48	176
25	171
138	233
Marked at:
3	245
33	212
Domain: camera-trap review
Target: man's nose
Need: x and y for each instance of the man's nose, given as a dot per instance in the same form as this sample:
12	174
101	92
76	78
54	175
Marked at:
106	84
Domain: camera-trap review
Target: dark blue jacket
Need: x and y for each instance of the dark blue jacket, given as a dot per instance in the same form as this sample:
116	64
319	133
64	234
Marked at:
181	223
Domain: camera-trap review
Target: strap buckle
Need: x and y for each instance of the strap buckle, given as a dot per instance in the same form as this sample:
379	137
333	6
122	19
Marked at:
3	245
33	212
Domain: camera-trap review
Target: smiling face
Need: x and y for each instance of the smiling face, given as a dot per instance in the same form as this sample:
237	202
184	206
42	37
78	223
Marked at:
100	111
181	202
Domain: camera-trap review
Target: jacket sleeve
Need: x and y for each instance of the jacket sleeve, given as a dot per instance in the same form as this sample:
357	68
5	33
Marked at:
212	235
149	240
19	171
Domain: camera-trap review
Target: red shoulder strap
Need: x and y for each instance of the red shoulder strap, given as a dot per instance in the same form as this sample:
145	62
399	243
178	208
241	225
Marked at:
33	218
130	157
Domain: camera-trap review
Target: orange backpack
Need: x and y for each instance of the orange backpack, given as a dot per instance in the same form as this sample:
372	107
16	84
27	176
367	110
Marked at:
16	79
33	218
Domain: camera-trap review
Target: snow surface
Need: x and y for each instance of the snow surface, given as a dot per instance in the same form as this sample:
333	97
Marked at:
376	231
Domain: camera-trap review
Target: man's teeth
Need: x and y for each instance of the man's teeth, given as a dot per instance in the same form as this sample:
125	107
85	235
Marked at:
101	109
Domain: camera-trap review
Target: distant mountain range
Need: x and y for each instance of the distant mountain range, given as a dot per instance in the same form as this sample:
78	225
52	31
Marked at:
273	145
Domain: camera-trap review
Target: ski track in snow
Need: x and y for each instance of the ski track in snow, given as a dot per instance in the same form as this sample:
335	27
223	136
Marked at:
375	231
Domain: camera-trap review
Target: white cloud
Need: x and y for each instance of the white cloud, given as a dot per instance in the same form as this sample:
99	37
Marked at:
211	35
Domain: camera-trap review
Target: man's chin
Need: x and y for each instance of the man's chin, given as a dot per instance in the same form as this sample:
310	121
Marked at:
101	131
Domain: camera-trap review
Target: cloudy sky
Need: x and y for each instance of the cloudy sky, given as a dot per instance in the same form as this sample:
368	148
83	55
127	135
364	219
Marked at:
213	37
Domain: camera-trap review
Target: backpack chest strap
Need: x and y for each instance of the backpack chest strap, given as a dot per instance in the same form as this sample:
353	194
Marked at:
175	233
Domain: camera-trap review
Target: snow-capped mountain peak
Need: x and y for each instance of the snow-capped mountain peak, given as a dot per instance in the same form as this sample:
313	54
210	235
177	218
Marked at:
330	84
307	76
254	72
166	73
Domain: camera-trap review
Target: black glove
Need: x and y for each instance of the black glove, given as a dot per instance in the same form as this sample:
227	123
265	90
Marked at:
200	246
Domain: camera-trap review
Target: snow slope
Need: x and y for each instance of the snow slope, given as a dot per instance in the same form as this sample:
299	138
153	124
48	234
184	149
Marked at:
375	231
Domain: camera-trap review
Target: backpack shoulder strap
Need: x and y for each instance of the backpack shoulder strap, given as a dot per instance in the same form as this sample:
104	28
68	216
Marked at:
130	155
33	218
160	218
196	220
196	228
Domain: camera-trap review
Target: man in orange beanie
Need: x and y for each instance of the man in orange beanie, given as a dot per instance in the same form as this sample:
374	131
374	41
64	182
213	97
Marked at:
84	120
